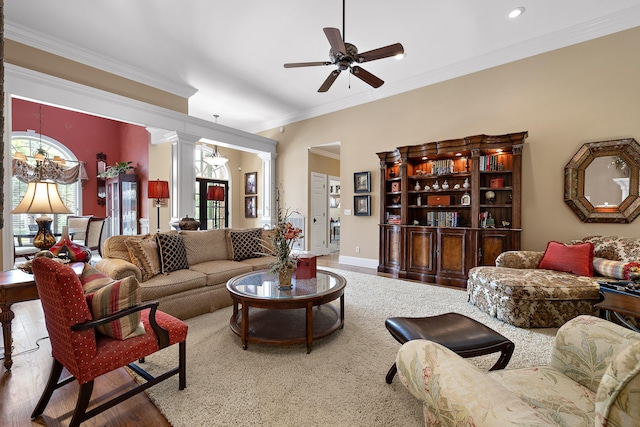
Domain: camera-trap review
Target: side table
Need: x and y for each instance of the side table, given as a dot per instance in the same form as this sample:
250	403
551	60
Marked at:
617	303
17	286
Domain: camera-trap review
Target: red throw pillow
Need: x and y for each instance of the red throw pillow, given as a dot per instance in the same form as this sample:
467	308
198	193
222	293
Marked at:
576	259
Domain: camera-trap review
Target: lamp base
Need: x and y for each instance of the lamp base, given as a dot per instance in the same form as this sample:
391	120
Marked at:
44	239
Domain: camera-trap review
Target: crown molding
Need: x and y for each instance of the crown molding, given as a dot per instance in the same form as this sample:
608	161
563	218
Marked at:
33	38
46	89
600	27
325	153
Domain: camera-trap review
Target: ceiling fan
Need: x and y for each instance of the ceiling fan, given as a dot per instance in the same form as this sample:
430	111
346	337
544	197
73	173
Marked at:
345	56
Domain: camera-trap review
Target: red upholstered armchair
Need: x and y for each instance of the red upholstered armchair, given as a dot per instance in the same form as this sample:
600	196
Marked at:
86	353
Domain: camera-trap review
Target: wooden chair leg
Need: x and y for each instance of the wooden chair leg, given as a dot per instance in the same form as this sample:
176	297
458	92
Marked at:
391	373
84	396
182	365
52	385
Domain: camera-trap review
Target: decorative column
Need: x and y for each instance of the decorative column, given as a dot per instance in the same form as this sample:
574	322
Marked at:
268	189
183	174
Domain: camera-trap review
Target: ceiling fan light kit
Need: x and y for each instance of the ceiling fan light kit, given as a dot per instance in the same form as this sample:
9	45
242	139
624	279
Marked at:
345	56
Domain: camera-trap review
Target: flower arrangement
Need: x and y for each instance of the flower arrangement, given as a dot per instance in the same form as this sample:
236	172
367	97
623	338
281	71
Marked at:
282	239
631	271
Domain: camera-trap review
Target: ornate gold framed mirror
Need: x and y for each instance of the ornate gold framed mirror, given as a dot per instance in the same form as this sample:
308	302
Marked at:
601	181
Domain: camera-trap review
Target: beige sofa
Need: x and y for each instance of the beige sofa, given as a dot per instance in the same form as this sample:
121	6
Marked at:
200	288
516	291
593	379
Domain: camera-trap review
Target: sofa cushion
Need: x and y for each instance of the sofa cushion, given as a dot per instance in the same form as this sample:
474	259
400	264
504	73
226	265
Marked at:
114	247
531	298
245	244
172	283
576	259
615	248
220	271
144	253
208	245
173	255
92	279
551	387
533	284
262	263
111	299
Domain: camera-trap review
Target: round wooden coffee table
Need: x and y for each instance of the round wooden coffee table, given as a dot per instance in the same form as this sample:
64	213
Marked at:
294	316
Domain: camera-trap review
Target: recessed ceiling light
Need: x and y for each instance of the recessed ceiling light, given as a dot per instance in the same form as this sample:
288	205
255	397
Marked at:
516	12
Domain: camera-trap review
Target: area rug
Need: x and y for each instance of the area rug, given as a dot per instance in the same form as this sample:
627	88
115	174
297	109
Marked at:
340	383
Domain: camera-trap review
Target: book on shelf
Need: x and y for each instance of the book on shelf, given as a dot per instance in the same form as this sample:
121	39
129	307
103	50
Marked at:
394	219
442	219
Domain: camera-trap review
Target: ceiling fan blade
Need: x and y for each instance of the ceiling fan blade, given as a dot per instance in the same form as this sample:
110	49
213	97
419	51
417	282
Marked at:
306	64
366	77
382	52
327	83
335	40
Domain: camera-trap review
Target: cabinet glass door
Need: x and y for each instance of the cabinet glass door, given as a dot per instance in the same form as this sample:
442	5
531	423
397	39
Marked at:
129	208
113	208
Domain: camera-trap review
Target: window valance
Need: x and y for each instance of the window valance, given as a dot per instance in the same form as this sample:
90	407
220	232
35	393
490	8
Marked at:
49	170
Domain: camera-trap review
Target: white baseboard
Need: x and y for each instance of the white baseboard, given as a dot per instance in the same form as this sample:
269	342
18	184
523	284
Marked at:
359	262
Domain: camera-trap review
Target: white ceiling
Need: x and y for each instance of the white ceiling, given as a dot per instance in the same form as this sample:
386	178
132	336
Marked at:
228	56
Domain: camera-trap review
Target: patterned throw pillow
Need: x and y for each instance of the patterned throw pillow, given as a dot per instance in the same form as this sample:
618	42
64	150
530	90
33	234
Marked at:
92	279
118	296
246	244
173	255
144	255
576	259
609	268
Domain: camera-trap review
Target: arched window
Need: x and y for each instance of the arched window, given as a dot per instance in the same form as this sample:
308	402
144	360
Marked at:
28	143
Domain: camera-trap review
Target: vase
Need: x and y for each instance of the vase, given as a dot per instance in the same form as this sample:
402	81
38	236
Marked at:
187	223
66	247
284	277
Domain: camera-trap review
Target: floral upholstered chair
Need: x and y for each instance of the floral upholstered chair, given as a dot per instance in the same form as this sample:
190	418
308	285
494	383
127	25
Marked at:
593	379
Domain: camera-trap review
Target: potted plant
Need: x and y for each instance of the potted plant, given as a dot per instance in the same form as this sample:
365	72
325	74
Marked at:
115	170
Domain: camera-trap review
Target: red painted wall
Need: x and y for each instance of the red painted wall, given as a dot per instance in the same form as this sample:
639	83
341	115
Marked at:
86	136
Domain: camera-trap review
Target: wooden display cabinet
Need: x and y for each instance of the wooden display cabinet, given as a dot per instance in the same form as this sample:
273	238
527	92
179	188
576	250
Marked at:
448	206
123	204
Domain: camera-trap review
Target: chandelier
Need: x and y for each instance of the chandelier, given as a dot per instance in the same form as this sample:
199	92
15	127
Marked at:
215	159
38	167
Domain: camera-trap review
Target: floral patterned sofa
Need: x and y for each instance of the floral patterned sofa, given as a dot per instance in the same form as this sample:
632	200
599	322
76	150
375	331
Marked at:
593	379
517	292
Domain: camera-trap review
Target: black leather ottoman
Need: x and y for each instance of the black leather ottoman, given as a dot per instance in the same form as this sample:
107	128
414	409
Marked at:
461	334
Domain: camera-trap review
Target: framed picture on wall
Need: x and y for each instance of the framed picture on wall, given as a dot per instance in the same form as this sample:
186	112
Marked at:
251	183
362	205
251	207
362	182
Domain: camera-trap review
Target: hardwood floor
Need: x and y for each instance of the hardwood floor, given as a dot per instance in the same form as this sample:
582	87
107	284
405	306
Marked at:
20	387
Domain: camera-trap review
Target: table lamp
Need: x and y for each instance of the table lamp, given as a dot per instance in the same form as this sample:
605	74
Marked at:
42	197
216	194
158	190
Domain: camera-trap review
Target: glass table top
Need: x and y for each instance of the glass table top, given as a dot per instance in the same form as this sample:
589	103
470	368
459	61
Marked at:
264	285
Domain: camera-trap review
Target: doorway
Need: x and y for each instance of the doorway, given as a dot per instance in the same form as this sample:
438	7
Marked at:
334	213
319	223
212	203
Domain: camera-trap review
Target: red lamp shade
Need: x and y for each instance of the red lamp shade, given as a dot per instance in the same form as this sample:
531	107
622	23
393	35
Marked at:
215	193
158	189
